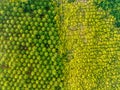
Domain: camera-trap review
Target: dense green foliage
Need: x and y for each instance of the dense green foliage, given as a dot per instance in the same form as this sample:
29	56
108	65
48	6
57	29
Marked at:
60	45
113	7
29	46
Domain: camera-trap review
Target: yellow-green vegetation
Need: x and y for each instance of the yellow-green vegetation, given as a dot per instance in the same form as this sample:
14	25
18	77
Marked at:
112	6
59	45
30	58
93	47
